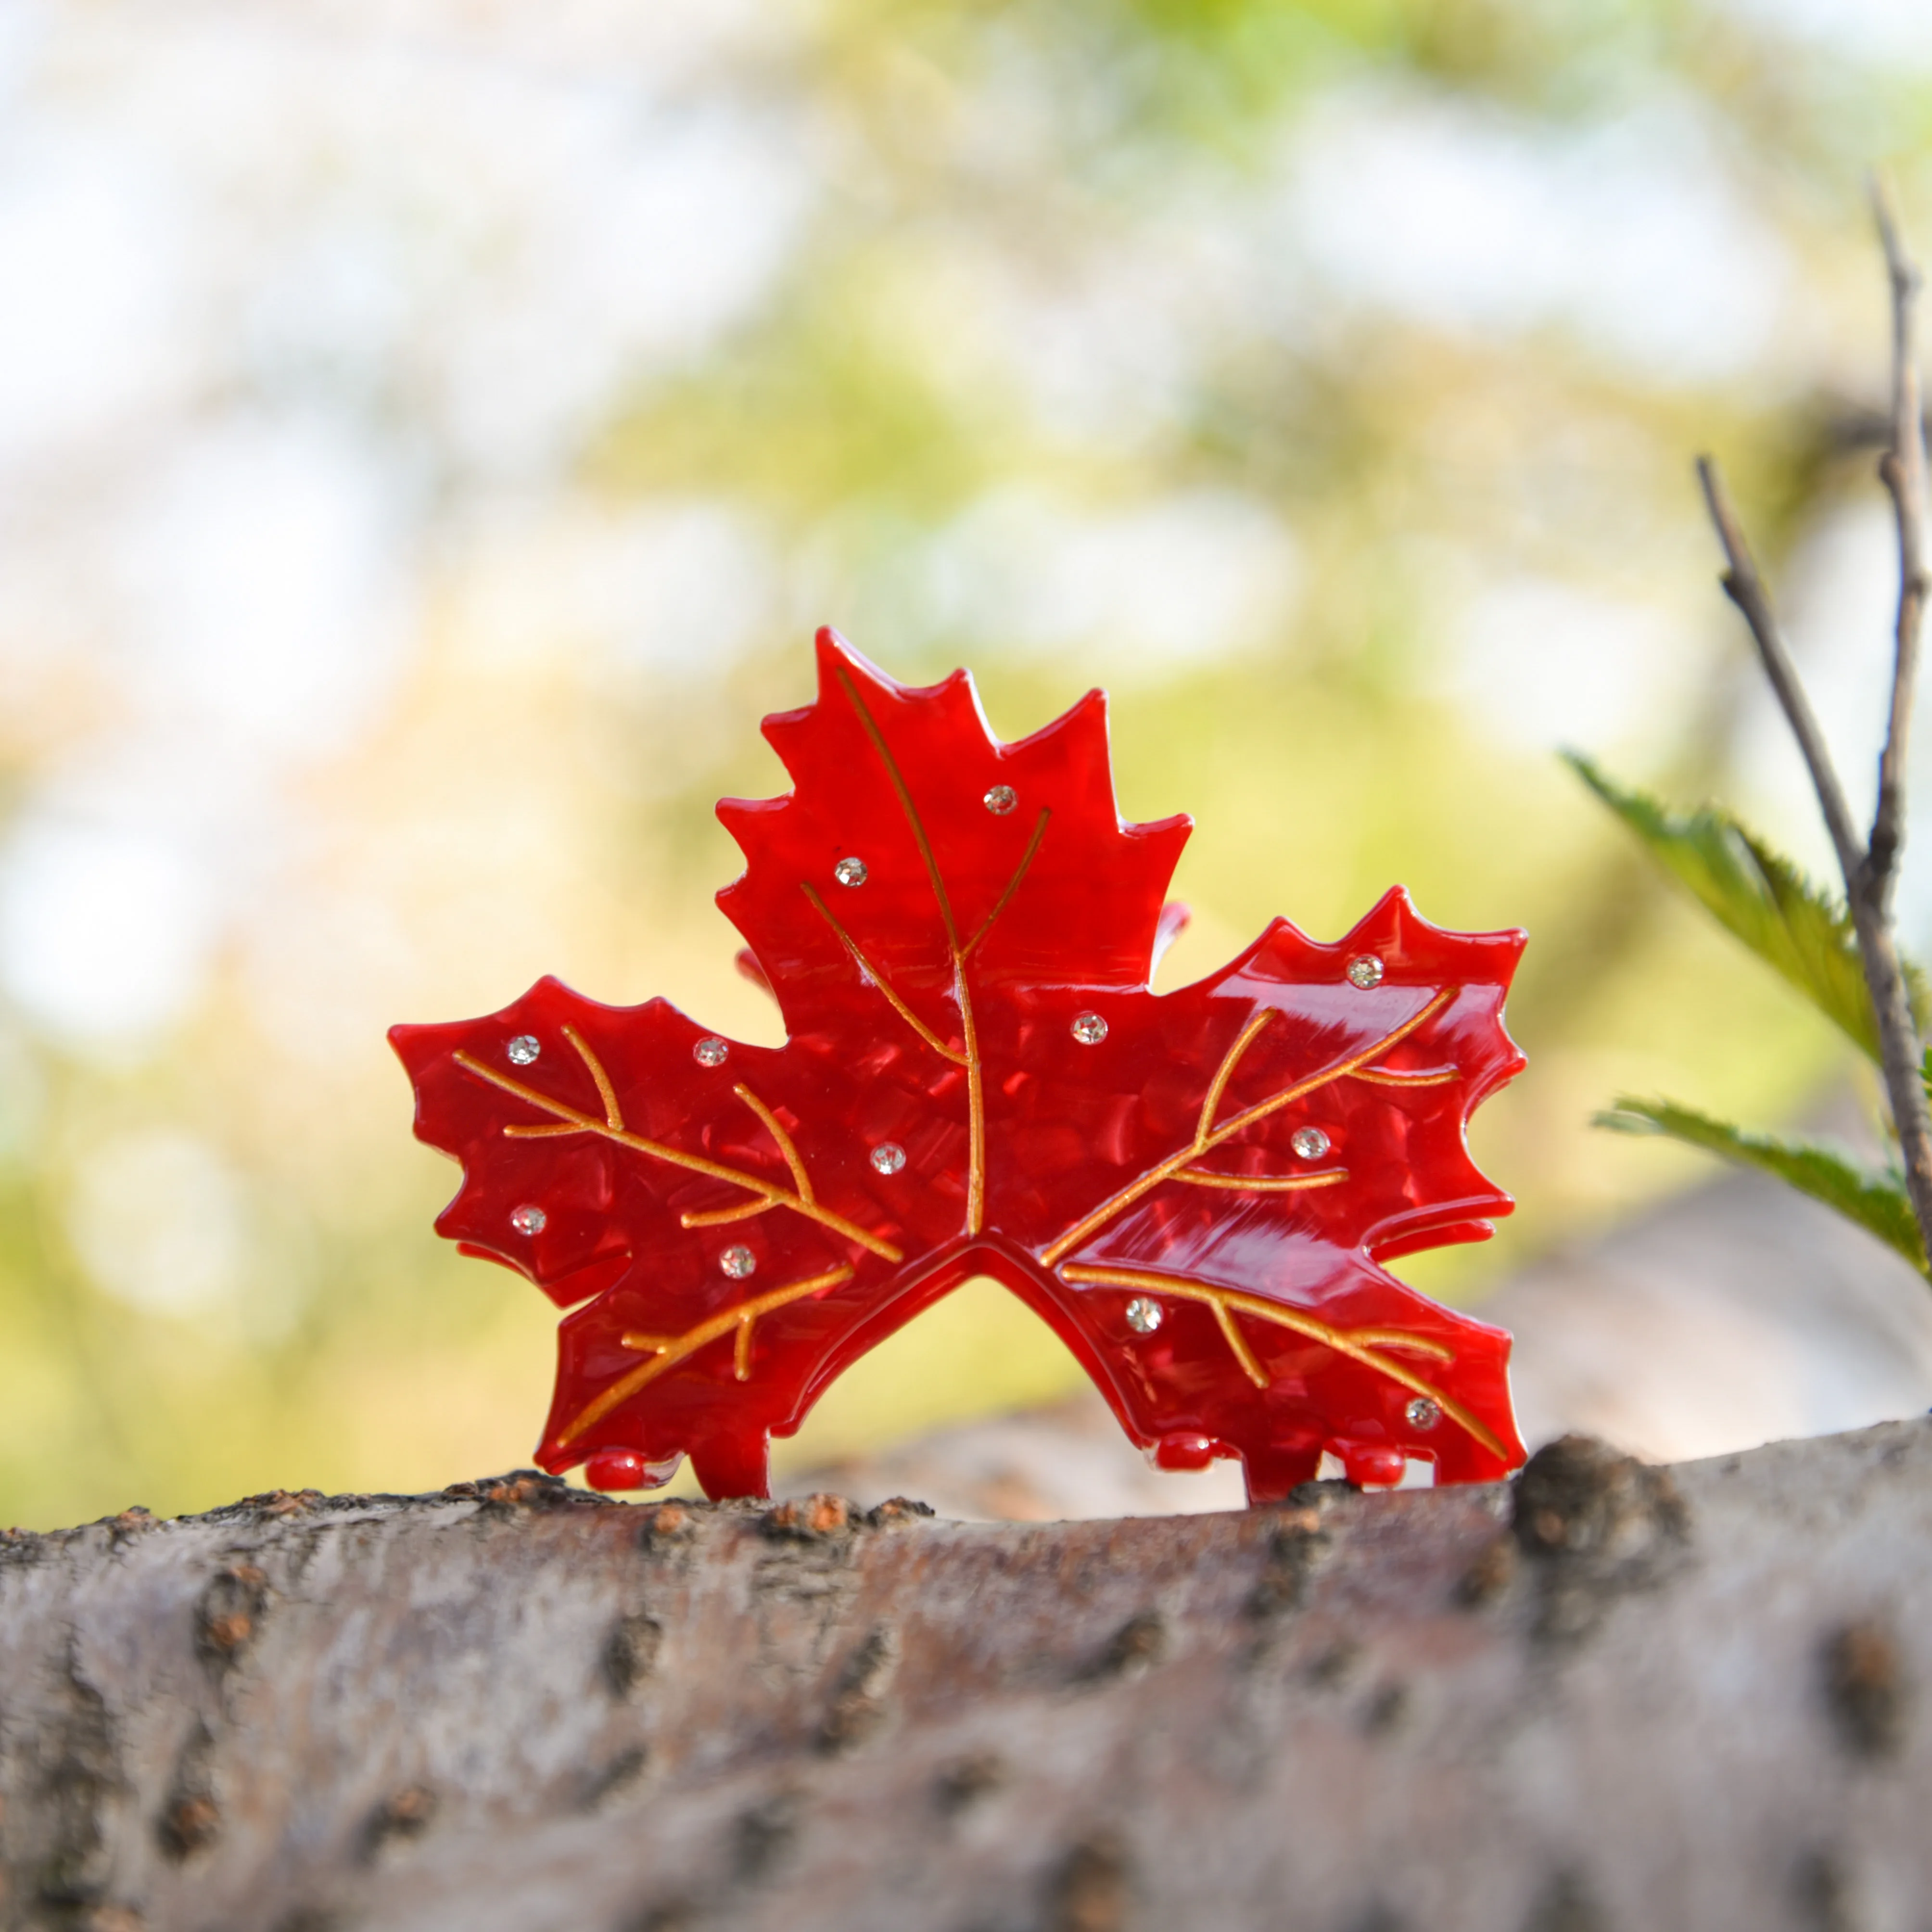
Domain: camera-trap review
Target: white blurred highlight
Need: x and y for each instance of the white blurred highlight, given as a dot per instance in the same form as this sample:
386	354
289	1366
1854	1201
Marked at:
1543	665
1877	30
158	1221
265	600
103	929
95	322
678	584
1628	233
1187	578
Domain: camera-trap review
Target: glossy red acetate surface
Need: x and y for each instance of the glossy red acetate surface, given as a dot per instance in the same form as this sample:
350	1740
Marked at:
1194	1189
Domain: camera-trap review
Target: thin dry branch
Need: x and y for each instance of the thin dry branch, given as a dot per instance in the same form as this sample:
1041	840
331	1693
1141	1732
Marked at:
1745	588
1902	470
1870	866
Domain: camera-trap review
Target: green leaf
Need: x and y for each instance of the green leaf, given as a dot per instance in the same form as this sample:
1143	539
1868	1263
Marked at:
1875	1198
1791	924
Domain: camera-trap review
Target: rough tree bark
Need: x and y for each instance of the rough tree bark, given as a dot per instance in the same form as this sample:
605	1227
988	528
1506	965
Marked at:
1607	1696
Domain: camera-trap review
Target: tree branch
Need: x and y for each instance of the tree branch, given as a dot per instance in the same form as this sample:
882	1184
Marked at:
1870	868
1745	589
1902	470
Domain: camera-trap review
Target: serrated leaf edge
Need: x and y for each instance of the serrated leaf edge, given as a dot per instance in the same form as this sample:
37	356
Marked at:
1873	1199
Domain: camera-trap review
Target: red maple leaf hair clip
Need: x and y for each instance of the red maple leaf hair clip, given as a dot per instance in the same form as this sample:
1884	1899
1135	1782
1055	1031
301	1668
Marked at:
1194	1189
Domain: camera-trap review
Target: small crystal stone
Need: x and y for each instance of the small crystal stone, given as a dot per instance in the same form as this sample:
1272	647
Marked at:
1311	1143
710	1051
1089	1029
528	1220
1365	970
849	871
524	1048
1422	1413
889	1156
1001	800
738	1261
1144	1315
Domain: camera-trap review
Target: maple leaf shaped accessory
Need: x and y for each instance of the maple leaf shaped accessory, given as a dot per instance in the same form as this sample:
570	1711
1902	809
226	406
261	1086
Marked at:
1195	1190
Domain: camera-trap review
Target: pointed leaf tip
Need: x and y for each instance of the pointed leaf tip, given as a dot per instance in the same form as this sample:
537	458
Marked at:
1800	930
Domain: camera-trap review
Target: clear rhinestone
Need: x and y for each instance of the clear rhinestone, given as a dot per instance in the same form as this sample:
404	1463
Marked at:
889	1156
1089	1029
849	871
1001	800
528	1220
1422	1413
1144	1315
710	1051
1365	970
1311	1143
523	1049
738	1261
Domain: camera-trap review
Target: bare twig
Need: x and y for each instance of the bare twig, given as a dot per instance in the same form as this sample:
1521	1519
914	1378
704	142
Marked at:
1870	866
1745	589
1902	470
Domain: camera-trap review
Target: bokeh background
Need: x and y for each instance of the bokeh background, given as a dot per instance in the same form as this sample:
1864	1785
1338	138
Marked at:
431	430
